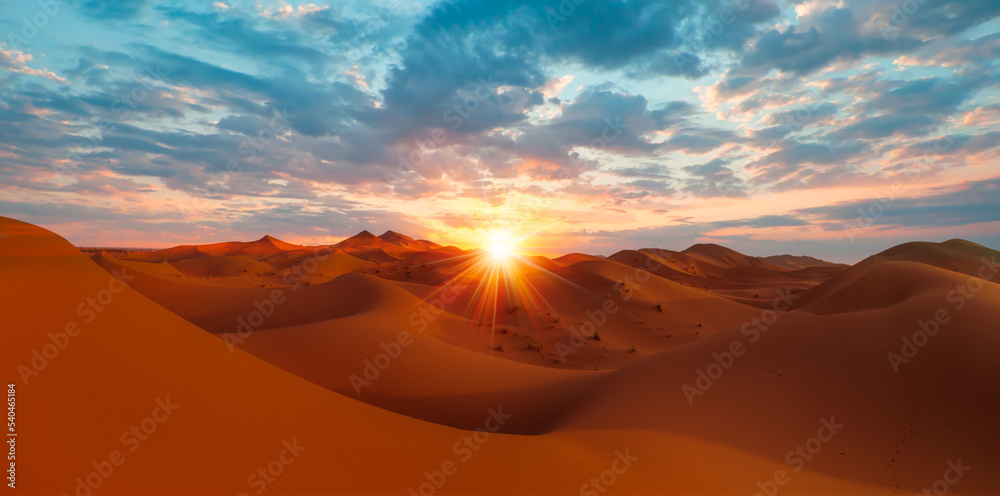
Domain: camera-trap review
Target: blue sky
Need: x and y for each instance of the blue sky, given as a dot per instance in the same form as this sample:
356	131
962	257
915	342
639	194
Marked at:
835	129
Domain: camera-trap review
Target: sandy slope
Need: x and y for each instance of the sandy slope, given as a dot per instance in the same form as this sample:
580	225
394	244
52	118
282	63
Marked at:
748	280
900	429
430	379
954	255
234	411
793	262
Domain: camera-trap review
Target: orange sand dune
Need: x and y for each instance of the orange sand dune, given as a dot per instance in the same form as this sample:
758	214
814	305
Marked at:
160	268
408	242
879	380
134	356
725	257
225	308
793	262
368	246
726	273
209	264
900	427
956	255
573	258
263	247
430	379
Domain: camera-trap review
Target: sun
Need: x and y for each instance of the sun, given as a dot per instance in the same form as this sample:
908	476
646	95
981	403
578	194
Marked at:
501	245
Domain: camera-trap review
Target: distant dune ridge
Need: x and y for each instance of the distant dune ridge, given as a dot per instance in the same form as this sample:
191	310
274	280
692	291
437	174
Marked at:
701	371
796	261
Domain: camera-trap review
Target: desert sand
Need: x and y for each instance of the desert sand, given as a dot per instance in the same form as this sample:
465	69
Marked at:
366	367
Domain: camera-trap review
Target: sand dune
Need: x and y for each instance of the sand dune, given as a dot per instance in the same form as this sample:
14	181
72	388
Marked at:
225	308
725	257
379	364
573	258
209	264
899	427
958	256
408	242
431	379
726	273
793	262
160	268
230	406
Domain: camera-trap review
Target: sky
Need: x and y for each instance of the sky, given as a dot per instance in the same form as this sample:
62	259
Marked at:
832	129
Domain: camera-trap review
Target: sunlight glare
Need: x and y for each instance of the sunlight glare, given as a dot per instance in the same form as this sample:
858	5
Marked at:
501	245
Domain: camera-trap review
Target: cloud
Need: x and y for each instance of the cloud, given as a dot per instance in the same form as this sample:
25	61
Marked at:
831	35
111	9
954	52
894	19
969	202
16	61
647	171
240	35
713	179
614	107
762	222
